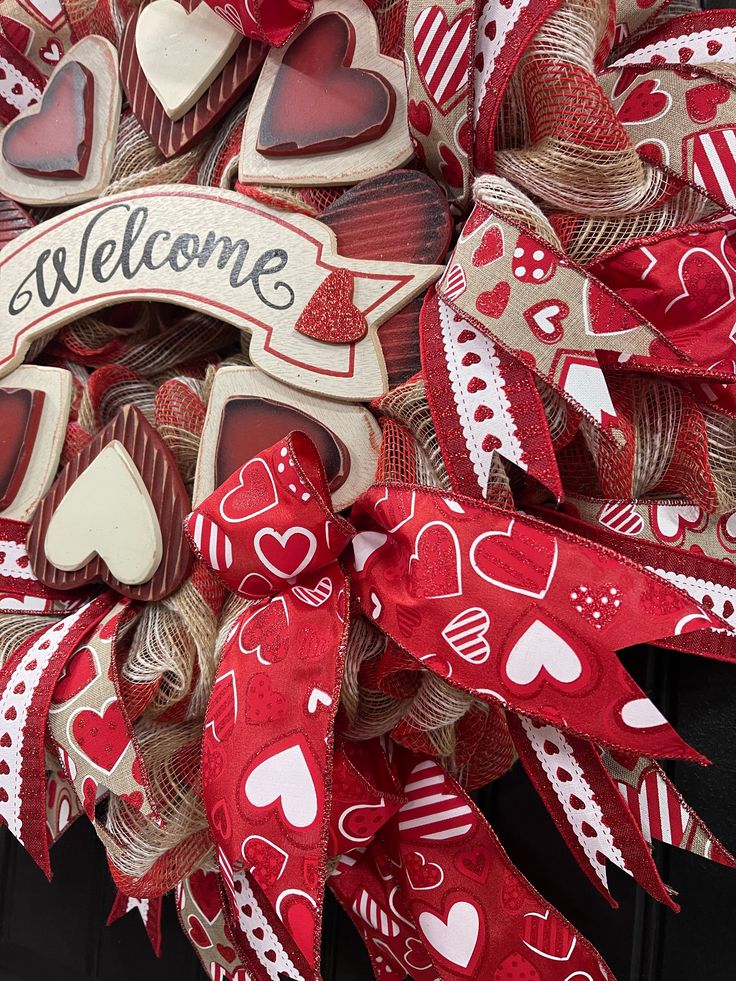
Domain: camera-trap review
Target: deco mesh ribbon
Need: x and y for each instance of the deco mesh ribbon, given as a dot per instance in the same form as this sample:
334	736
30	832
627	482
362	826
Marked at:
313	705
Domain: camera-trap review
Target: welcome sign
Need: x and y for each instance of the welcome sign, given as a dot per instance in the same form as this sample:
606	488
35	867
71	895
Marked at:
215	251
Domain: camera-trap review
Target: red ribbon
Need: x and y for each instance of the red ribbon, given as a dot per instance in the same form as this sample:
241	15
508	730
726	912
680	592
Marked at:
497	604
272	21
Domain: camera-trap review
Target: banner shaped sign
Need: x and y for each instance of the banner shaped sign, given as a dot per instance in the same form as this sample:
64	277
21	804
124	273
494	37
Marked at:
312	314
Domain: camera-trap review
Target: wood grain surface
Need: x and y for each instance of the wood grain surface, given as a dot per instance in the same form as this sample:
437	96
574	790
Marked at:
168	494
174	136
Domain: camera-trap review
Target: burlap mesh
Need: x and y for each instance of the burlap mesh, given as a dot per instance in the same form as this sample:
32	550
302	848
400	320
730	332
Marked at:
571	128
138	163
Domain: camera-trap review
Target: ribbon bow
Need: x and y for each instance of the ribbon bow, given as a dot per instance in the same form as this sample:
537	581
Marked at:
497	604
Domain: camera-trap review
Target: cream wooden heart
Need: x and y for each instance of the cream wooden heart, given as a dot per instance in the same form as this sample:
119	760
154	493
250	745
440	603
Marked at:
181	54
107	511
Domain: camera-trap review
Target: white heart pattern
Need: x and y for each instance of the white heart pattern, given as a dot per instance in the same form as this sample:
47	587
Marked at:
641	713
540	648
318	697
466	635
456	937
365	544
284	779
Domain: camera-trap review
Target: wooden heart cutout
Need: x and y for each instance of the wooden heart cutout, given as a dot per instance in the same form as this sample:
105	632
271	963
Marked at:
182	52
31	441
358	219
215	251
60	152
56	140
328	108
320	102
20	411
107	512
116	514
173	136
247	412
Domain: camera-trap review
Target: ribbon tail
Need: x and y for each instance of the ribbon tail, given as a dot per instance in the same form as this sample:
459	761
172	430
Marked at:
583	801
63	806
518	613
150	911
199	906
483	401
369	892
261	940
474	910
268	745
97	745
27	682
659	809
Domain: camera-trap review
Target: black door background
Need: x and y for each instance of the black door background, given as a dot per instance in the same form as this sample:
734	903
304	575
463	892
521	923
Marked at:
56	932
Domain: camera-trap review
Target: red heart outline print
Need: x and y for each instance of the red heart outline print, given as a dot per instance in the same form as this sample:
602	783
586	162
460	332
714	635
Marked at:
475	863
422	875
520	558
266	632
285	554
435	566
264	859
545	320
707	288
254	495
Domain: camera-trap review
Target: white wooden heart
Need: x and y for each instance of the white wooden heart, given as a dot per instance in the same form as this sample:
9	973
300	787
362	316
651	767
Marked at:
182	53
107	511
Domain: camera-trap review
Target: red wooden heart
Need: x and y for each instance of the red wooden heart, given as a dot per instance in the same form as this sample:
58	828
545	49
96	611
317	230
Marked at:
251	424
358	219
319	102
56	141
330	315
20	410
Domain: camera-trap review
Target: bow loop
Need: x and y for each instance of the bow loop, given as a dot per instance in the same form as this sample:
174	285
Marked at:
270	524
